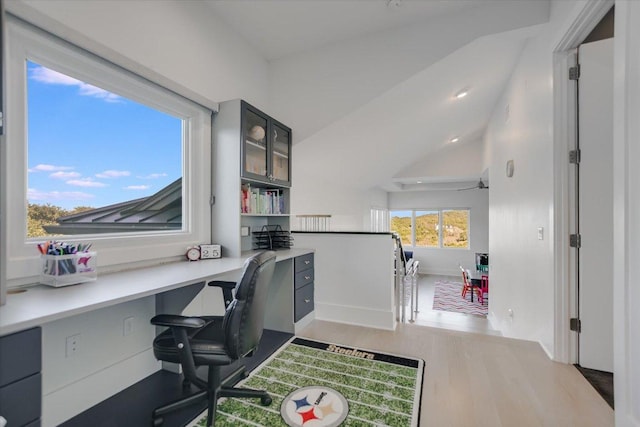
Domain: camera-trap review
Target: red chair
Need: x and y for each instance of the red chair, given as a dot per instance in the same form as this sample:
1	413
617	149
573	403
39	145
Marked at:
483	289
466	283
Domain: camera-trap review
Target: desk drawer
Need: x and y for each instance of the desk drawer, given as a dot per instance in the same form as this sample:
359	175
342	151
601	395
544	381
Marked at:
20	401
20	355
303	278
303	302
303	262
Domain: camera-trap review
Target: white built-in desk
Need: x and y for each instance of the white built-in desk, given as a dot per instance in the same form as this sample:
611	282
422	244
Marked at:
41	304
34	390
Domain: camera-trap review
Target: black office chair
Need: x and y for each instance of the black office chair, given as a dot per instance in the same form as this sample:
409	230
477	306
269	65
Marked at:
218	340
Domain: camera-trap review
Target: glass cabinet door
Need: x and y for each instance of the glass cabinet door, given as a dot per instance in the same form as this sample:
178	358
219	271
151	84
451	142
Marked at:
254	144
280	146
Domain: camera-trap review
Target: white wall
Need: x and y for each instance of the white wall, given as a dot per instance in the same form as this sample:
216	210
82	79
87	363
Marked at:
106	362
521	129
457	159
349	207
446	261
353	280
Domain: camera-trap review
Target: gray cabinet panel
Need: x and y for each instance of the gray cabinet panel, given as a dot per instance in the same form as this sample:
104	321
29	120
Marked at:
20	355
20	402
303	278
303	301
304	262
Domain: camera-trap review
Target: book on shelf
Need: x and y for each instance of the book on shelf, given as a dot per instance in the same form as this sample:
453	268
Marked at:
261	201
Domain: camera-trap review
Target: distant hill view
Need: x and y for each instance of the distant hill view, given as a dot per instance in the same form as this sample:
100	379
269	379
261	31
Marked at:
455	225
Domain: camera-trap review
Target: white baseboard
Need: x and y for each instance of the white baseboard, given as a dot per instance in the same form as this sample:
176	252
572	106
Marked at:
359	316
304	322
65	403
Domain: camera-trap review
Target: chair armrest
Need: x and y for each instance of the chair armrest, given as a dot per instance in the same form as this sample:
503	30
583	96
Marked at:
222	284
226	287
175	320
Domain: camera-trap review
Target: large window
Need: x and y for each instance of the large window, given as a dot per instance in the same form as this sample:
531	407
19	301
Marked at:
85	173
98	154
435	228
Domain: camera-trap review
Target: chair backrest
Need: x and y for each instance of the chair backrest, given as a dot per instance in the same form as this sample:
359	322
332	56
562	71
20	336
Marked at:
465	276
244	317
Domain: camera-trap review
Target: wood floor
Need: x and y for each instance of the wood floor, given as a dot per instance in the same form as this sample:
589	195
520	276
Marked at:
476	379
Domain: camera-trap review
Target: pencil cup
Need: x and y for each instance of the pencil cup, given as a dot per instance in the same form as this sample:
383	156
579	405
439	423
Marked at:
64	270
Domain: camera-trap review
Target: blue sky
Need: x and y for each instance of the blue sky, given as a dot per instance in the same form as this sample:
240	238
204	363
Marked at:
90	147
401	214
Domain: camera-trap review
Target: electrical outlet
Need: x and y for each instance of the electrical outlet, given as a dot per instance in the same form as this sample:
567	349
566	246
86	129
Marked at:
72	345
127	326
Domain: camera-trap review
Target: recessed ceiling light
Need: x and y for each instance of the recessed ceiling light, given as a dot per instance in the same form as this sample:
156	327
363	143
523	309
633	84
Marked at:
418	182
454	139
462	93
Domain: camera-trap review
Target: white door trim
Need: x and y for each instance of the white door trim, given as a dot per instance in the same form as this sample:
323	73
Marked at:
626	204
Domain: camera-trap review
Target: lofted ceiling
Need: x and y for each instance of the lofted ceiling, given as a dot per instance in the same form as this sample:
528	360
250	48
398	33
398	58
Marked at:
372	82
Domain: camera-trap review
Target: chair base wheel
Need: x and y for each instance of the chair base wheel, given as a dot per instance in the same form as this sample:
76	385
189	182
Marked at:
266	400
157	422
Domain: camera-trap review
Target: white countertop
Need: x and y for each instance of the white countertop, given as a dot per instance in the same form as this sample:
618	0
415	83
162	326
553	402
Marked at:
41	304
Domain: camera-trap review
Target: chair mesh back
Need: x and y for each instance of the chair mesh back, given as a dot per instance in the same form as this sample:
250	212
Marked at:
244	317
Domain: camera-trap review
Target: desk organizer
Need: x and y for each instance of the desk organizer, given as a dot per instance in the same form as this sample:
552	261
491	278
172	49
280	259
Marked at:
64	270
272	237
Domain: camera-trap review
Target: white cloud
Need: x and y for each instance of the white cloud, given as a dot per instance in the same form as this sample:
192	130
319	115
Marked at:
48	76
64	175
33	194
137	187
86	182
49	168
153	176
113	174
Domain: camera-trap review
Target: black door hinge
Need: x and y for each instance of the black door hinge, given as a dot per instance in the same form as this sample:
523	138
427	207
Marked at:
575	325
575	241
574	156
574	72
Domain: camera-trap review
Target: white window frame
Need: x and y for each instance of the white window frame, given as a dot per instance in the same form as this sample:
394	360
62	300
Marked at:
116	250
412	244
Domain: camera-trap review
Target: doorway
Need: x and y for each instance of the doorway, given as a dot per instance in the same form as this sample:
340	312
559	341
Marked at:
591	195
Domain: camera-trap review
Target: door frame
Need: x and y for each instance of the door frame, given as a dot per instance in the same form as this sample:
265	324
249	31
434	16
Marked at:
584	18
626	195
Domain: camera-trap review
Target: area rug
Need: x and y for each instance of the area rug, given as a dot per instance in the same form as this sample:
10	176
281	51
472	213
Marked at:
447	297
316	384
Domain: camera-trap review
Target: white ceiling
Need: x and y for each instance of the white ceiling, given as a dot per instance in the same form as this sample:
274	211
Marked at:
279	28
387	105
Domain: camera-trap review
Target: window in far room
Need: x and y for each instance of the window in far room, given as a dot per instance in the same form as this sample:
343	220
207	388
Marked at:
432	228
401	223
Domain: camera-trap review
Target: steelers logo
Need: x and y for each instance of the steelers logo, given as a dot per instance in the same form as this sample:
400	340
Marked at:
314	406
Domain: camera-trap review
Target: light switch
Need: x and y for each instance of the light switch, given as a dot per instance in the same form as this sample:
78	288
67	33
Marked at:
244	231
540	233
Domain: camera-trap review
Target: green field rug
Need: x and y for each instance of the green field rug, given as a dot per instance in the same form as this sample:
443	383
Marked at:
316	384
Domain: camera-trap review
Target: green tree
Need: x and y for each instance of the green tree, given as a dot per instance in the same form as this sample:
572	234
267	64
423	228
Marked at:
38	216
